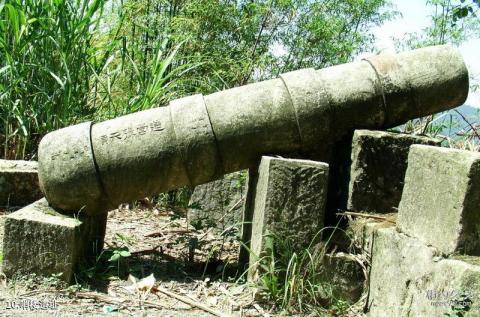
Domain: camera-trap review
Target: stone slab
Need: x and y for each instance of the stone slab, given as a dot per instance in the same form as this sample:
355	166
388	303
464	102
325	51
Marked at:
396	260
408	278
288	203
452	287
219	204
18	183
343	275
377	172
37	239
441	197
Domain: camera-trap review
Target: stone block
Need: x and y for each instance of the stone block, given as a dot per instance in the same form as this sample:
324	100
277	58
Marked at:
343	276
452	288
37	239
288	203
441	197
408	278
18	183
219	204
397	260
379	162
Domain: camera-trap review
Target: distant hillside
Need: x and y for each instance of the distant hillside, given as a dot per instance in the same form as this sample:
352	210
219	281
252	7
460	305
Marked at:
454	123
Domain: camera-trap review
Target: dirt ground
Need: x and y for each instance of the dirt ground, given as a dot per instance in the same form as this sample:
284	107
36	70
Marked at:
195	273
158	242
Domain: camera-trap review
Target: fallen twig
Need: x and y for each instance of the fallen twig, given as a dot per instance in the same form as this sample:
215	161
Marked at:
364	215
147	251
260	310
116	300
40	291
474	130
190	302
101	297
163	232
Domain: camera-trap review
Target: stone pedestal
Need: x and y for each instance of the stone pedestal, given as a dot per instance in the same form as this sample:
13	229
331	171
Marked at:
18	183
408	278
37	239
451	288
377	172
441	199
343	277
396	261
219	204
287	202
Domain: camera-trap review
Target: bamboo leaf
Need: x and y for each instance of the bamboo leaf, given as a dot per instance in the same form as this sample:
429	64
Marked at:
59	81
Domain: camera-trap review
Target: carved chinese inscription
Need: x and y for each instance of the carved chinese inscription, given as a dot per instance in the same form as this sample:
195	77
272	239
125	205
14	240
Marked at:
129	132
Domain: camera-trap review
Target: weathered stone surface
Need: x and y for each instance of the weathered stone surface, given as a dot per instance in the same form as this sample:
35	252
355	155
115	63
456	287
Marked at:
37	239
452	282
441	197
410	279
18	183
379	162
219	204
288	203
397	260
344	275
141	154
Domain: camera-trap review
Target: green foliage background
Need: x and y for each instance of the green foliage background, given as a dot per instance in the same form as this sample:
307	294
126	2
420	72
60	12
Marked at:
451	22
68	61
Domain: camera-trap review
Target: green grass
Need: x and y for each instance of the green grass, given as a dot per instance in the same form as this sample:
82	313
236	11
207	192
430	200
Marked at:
47	62
61	63
292	278
466	138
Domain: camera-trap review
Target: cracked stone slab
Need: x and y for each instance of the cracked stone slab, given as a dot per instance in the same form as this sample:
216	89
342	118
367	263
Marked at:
452	282
408	278
396	261
288	202
440	200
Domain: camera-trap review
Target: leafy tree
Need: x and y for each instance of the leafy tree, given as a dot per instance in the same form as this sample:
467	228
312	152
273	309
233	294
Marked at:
452	21
66	61
236	42
47	62
142	69
243	41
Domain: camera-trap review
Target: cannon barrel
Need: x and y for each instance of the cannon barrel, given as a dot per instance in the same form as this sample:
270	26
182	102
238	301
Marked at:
196	139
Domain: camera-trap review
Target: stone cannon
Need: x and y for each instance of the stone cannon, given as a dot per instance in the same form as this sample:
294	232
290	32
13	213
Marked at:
196	139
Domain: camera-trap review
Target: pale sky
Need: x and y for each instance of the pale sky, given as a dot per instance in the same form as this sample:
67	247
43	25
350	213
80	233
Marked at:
415	17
